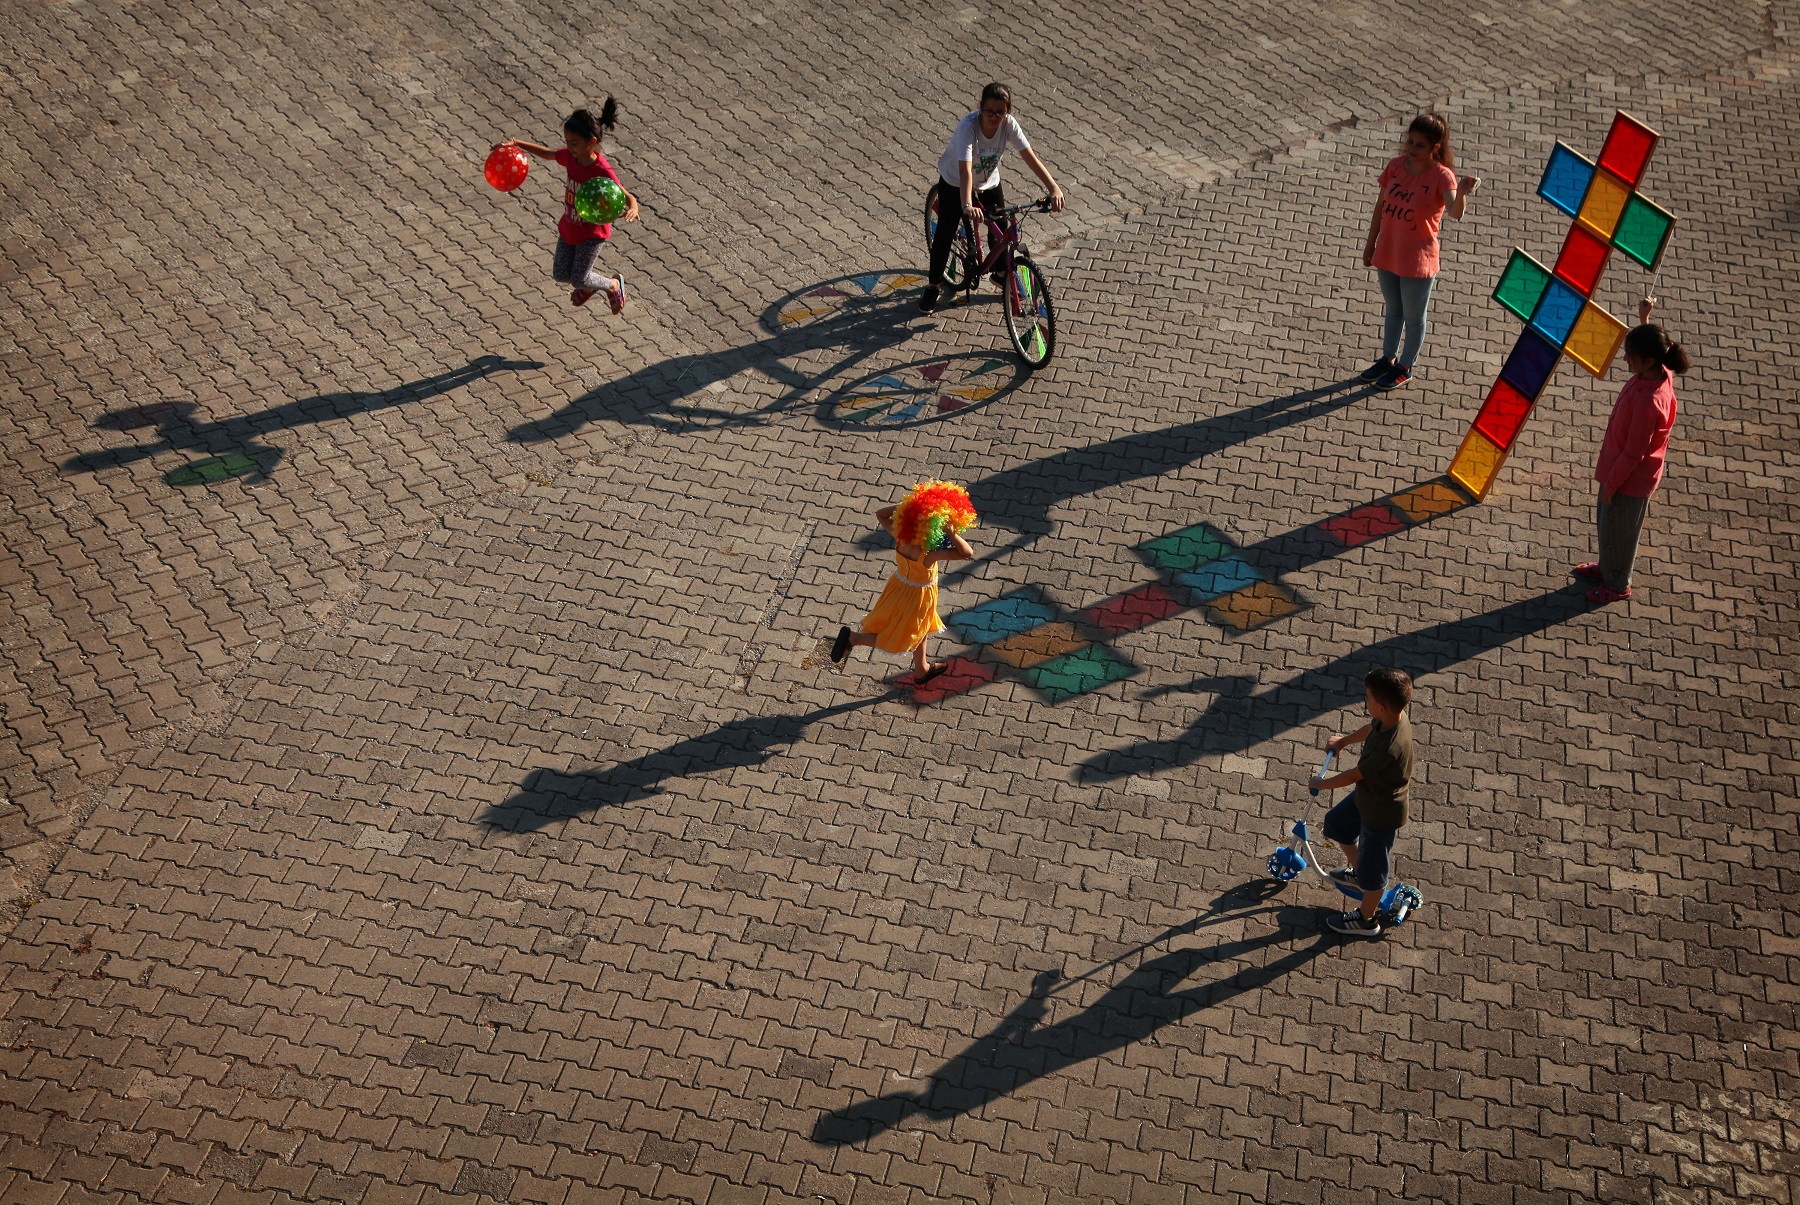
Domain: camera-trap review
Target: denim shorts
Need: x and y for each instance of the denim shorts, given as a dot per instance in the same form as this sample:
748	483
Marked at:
1374	846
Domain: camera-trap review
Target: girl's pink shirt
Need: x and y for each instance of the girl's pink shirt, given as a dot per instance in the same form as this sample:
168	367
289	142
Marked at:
1412	210
1637	436
571	229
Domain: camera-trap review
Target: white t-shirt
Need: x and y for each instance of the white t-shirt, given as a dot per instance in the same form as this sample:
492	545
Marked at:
981	154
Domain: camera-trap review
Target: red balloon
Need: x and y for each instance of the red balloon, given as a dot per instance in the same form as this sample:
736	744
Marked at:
506	168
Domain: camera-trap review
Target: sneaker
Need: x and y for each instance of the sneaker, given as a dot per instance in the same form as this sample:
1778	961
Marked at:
615	296
1352	924
1375	371
1589	570
1601	595
580	296
928	299
1396	376
1342	874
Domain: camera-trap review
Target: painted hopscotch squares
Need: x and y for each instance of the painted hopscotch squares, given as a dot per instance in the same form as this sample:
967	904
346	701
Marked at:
1556	303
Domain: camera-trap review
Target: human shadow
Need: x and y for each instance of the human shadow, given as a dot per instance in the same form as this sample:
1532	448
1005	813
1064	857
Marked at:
1236	719
1020	499
1022	1048
838	313
547	796
238	439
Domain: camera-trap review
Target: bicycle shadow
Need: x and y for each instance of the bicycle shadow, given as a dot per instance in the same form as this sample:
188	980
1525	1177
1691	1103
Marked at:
928	390
1236	719
1022	1048
236	442
861	314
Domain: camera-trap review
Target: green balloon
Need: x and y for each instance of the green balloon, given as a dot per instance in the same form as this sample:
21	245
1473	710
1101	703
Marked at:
599	201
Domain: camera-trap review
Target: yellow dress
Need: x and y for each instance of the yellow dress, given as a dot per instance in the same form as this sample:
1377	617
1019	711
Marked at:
907	611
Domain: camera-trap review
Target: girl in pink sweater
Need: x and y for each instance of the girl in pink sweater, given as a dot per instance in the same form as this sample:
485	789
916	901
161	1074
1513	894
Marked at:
1632	454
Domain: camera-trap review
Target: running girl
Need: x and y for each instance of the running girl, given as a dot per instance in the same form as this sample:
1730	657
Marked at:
927	528
1415	189
970	168
578	242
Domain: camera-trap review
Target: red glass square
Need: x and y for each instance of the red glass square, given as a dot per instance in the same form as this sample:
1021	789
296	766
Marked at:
1582	260
1503	414
1136	608
1363	524
1627	150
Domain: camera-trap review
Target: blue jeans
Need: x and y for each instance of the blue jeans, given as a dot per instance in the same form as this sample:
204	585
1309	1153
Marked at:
1408	298
1374	846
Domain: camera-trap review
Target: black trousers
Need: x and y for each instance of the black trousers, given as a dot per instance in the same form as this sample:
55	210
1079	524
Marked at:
949	199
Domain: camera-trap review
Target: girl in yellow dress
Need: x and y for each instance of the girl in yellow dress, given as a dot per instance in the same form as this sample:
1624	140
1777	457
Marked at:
927	528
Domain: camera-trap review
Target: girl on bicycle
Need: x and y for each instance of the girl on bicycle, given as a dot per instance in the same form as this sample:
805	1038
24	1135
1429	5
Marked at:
1415	189
577	242
969	169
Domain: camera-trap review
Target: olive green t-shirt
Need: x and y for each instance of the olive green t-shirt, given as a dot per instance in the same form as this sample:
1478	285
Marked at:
1387	765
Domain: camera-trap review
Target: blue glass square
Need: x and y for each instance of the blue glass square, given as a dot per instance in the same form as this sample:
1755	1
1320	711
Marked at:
1222	576
1566	179
1557	312
1532	361
998	618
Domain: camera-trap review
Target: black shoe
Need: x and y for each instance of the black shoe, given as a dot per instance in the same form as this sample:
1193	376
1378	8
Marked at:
999	279
840	648
1375	371
1394	377
1352	924
928	299
1342	874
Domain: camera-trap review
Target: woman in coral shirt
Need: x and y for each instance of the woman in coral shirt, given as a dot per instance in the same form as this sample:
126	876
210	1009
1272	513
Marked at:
1632	454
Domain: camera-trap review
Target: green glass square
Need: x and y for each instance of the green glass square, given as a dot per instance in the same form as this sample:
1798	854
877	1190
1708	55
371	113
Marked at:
1522	285
1076	673
1643	231
1184	550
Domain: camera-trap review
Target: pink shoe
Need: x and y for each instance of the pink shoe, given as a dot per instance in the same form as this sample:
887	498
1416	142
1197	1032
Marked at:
1601	595
580	297
1589	570
615	296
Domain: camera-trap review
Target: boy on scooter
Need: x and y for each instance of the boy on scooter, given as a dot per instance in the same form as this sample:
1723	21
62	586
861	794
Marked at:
1364	822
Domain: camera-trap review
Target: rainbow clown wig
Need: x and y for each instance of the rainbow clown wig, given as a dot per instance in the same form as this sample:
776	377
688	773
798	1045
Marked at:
933	510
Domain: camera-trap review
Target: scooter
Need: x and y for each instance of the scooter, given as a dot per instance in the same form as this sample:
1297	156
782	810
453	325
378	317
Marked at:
1398	902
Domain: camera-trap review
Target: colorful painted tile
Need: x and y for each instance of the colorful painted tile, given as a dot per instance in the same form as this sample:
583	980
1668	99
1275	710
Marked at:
1530	364
1079	672
1605	202
1626	151
1566	179
999	618
1581	261
1025	649
1136	608
1557	312
963	676
1477	463
1522	285
1189	548
1643	231
1423	503
1503	414
1222	576
1595	340
1254	606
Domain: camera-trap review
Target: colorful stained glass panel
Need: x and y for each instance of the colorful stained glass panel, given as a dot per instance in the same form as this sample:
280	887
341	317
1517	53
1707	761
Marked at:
1643	231
1595	340
1626	152
1606	199
1566	178
1582	260
1557	312
1532	361
1522	284
1503	414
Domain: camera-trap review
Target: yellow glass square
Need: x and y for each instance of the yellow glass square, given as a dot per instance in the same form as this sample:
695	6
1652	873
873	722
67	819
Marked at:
1036	645
1254	606
1477	463
1424	502
1606	198
1595	340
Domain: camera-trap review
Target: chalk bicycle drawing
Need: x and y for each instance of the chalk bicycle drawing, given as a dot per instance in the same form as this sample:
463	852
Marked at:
1398	902
1030	318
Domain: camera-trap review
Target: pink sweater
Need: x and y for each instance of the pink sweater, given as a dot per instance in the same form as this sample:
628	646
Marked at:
1637	436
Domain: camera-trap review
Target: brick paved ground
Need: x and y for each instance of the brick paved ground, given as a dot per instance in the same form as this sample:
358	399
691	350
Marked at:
420	778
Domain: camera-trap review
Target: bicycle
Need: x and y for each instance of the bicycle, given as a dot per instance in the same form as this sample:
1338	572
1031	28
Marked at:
1030	318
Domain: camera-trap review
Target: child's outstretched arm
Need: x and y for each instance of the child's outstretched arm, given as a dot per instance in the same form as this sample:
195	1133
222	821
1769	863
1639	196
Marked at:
885	517
530	148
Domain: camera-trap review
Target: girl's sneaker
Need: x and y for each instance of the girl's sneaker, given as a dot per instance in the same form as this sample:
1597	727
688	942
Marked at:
1377	370
1396	376
1352	924
615	296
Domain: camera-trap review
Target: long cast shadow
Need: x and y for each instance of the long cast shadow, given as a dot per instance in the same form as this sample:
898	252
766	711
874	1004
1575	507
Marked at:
241	434
1236	720
1022	1048
547	796
1020	499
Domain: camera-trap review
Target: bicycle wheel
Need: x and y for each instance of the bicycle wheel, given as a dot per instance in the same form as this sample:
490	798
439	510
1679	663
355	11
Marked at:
957	268
1030	320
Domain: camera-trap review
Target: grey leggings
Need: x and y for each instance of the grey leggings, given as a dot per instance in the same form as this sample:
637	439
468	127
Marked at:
575	264
1620	522
1408	299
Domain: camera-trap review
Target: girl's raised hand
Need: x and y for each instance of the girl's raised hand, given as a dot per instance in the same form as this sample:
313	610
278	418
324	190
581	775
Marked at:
1468	184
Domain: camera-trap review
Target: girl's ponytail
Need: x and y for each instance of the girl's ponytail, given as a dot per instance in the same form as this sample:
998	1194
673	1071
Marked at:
609	115
584	124
1650	342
